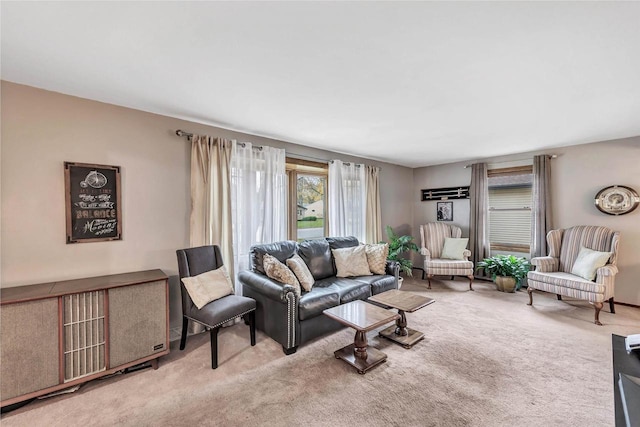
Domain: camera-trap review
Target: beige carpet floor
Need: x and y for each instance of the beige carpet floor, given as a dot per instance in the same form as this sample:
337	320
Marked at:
488	359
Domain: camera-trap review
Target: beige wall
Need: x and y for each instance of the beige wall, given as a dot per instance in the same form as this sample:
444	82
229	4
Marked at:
41	130
577	174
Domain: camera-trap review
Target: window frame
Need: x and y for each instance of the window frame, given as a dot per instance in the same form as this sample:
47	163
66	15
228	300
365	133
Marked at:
295	168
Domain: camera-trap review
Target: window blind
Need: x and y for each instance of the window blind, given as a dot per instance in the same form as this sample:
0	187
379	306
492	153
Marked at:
510	216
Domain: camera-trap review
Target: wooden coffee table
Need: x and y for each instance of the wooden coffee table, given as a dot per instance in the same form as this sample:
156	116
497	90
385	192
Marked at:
362	317
404	302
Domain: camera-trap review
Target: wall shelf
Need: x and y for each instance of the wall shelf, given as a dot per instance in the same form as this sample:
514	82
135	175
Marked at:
448	193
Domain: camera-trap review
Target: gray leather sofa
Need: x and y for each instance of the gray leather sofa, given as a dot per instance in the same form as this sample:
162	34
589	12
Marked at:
292	320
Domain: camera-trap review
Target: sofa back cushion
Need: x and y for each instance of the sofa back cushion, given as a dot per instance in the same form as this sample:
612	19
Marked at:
280	250
317	255
593	237
342	242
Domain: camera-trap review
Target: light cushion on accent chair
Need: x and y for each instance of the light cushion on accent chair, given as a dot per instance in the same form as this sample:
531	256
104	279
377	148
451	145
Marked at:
377	257
588	261
351	262
300	269
280	272
209	286
577	256
454	248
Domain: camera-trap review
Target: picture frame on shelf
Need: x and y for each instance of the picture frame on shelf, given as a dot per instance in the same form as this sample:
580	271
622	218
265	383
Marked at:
444	211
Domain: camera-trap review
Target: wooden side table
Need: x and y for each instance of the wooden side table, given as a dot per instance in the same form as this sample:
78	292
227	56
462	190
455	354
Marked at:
404	302
362	317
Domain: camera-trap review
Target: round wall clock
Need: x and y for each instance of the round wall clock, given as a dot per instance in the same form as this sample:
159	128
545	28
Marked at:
617	200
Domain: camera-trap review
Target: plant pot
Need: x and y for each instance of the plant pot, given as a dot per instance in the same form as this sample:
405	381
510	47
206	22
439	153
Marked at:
400	280
506	283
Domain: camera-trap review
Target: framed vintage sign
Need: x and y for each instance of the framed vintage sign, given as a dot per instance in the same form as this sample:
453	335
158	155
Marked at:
92	198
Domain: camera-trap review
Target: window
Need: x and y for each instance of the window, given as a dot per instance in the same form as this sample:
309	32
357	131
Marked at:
510	209
307	199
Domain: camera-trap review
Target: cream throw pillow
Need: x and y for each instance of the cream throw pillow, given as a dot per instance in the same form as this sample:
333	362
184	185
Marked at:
300	269
588	261
377	257
280	272
351	261
454	248
209	286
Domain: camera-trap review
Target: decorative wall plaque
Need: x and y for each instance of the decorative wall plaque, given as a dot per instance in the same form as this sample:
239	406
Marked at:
617	200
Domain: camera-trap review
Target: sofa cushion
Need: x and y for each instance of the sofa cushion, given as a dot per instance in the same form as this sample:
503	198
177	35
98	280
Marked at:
281	250
342	242
317	255
320	298
379	283
347	289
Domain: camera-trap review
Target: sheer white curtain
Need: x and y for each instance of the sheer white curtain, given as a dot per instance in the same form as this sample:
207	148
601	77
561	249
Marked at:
258	200
347	200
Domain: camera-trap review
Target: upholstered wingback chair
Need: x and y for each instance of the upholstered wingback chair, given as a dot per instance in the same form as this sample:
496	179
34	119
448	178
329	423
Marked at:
553	273
432	237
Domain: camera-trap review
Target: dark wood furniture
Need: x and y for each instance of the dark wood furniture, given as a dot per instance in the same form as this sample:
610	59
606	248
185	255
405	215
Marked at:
362	317
60	334
623	363
404	302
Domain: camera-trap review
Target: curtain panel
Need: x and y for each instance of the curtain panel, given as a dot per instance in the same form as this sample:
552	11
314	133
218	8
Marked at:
541	209
347	200
373	220
258	200
210	221
479	201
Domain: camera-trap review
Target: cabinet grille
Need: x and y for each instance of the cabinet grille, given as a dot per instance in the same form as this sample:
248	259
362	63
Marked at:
84	337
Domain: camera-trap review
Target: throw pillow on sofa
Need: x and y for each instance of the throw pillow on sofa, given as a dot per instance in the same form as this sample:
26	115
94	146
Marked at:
377	257
208	286
280	272
351	261
300	269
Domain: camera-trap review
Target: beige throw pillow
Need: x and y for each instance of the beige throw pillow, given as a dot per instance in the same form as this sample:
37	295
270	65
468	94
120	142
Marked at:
377	257
454	248
351	261
300	269
588	261
209	286
280	272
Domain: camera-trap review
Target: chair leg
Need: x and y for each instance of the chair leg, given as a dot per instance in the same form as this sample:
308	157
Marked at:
598	307
612	309
559	297
422	274
453	277
470	282
183	337
429	276
530	292
252	327
289	351
214	347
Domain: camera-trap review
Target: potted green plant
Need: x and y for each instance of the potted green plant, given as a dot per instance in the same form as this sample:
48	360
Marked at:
398	245
507	271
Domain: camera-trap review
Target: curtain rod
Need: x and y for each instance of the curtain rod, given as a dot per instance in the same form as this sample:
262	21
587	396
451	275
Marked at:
551	156
182	133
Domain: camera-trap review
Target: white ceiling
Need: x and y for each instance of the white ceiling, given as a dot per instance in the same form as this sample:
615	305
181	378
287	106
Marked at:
409	83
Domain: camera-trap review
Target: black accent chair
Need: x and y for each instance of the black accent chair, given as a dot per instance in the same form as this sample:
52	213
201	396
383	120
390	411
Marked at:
195	261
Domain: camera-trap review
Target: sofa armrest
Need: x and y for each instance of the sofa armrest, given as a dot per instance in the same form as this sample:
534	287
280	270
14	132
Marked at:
606	271
466	254
607	276
545	264
265	286
392	268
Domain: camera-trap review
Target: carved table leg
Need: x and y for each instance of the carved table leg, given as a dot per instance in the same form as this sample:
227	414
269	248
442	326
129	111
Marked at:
401	325
598	307
530	292
360	345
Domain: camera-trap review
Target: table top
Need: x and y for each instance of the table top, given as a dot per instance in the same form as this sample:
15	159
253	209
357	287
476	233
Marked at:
360	315
622	363
402	300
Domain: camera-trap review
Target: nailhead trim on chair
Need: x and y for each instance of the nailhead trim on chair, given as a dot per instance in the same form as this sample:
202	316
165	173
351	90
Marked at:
223	322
